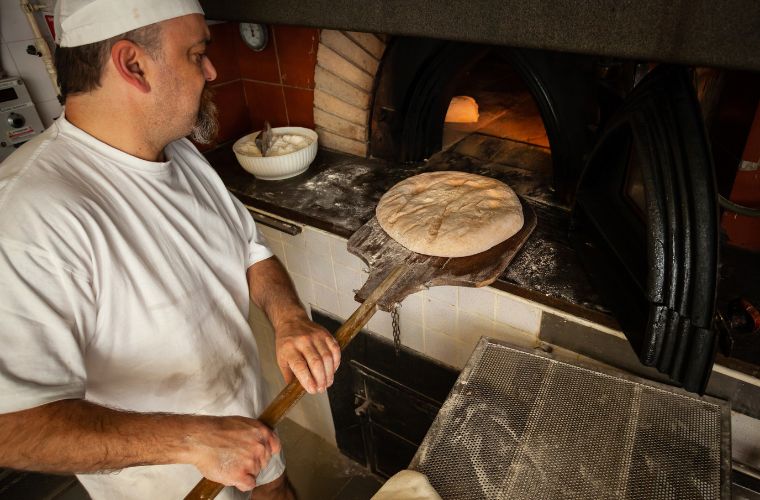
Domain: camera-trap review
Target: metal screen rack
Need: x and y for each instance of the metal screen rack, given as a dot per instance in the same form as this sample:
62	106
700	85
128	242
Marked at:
522	424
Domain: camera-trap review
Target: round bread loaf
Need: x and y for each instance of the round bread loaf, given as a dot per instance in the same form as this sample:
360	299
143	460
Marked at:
450	214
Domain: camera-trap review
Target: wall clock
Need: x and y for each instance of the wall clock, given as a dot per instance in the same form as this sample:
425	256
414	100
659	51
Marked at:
255	36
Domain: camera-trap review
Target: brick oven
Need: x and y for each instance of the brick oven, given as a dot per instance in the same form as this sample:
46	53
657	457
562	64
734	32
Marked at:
383	78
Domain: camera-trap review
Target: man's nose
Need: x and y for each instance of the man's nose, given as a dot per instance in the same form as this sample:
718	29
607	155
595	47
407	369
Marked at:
209	71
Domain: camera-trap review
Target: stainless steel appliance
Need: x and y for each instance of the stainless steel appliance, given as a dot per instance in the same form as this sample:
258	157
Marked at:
527	424
19	120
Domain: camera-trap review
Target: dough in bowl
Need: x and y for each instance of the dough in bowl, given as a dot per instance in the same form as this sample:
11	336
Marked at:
450	214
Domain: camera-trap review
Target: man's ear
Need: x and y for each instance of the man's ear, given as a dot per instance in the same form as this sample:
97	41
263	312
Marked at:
129	61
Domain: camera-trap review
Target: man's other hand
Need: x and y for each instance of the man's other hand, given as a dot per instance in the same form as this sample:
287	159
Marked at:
308	351
76	436
232	450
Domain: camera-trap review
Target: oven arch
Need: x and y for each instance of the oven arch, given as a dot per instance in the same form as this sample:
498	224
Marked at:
417	79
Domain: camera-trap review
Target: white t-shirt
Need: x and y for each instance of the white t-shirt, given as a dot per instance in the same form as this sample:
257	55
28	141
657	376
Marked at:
122	281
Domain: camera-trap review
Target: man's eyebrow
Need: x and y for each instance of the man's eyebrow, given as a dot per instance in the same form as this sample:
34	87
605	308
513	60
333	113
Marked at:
204	41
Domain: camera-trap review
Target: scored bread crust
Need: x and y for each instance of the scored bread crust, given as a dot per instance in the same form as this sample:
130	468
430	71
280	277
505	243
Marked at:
450	214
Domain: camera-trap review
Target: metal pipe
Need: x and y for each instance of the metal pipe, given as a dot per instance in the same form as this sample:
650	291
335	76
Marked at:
738	209
40	43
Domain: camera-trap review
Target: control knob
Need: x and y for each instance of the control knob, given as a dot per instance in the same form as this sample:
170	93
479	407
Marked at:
16	120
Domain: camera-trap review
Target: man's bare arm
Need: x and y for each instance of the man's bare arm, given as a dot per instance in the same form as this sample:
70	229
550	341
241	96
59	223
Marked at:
75	436
304	349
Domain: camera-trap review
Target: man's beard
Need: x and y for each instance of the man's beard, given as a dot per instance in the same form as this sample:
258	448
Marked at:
206	124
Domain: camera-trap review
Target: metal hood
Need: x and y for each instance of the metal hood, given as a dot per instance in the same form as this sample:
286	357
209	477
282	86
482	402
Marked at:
694	32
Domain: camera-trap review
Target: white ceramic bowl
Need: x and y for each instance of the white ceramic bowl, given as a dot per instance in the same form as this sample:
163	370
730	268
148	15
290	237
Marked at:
273	168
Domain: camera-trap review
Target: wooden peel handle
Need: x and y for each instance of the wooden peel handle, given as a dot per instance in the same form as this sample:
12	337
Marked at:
289	396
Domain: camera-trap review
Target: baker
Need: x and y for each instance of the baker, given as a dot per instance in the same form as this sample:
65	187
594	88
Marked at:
126	273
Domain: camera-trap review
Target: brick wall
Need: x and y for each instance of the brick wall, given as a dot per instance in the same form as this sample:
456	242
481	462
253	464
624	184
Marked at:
276	84
347	63
303	78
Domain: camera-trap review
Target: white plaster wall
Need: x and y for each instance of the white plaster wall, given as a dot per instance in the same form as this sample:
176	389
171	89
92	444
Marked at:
15	36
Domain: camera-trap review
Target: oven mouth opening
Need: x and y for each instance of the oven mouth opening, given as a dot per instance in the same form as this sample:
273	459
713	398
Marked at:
509	98
491	99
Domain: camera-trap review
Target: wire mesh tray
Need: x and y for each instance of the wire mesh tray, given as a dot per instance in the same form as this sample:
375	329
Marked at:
522	424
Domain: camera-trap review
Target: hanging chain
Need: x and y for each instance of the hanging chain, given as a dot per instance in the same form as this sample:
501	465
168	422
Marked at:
396	329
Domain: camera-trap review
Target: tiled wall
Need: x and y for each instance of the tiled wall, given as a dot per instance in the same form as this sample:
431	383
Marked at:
276	84
446	322
15	36
312	411
443	322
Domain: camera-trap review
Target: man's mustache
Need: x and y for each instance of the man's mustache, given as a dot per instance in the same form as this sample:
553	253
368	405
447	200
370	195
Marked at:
206	123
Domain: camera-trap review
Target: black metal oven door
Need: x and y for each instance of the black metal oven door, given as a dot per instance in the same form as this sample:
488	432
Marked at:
645	223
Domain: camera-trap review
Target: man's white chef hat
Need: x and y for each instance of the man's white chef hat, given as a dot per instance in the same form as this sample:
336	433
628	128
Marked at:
79	22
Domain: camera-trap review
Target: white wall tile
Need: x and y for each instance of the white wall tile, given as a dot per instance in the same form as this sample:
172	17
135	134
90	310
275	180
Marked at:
16	36
513	336
467	351
445	349
8	65
343	257
477	301
296	259
346	305
412	335
439	316
519	314
269	233
317	242
296	240
304	288
49	111
326	299
321	269
32	70
382	324
446	294
412	308
313	412
278	249
347	280
470	327
13	23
